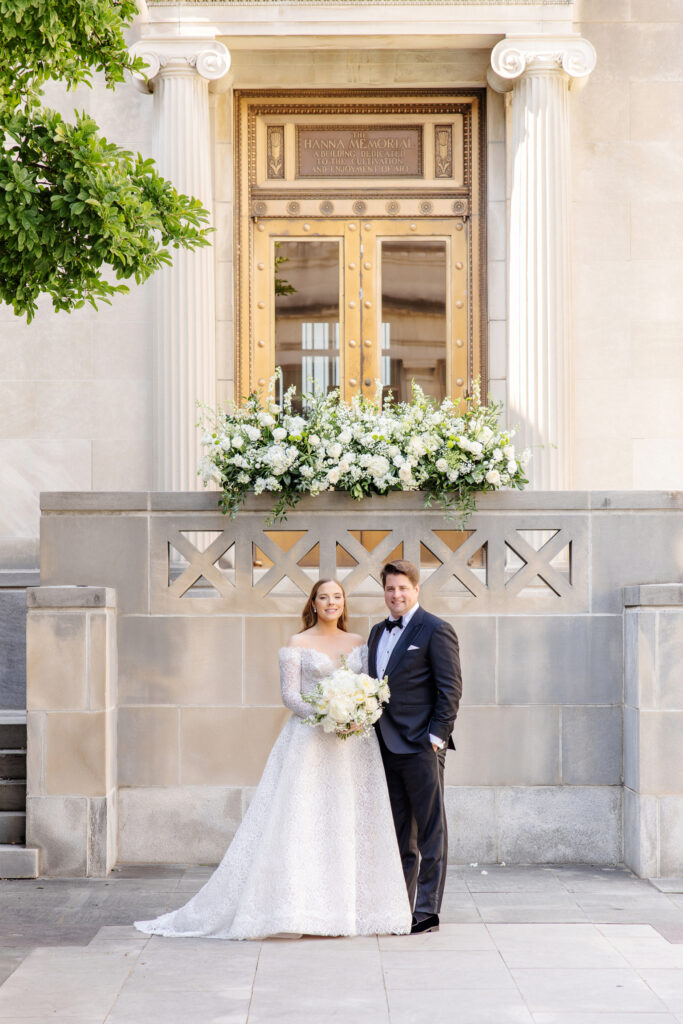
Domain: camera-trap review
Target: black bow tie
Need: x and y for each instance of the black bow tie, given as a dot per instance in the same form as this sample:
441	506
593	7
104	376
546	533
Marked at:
390	623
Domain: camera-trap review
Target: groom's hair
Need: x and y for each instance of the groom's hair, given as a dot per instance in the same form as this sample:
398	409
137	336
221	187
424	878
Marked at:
400	567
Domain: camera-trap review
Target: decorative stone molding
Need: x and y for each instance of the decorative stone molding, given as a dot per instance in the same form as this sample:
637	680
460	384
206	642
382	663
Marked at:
200	54
515	56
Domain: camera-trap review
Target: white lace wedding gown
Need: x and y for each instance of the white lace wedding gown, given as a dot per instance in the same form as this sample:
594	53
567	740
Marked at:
316	852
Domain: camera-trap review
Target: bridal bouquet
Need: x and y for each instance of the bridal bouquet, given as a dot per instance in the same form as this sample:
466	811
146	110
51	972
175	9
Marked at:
346	700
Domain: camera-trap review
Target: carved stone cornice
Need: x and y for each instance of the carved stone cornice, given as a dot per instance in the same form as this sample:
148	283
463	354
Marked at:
179	56
515	56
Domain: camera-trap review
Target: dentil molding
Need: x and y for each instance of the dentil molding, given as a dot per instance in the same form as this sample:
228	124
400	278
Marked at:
186	55
515	56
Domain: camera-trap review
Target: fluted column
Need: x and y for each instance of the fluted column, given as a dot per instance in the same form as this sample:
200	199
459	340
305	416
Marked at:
184	338
540	72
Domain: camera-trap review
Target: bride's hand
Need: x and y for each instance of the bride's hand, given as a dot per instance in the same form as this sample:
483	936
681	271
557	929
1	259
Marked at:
351	728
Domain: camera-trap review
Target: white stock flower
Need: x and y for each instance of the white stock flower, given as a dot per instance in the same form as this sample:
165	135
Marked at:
405	474
345	436
512	467
497	455
314	441
509	451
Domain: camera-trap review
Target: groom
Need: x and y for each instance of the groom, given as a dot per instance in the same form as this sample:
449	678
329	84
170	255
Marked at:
419	654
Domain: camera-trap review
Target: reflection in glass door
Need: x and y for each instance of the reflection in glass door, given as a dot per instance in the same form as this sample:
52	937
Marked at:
306	287
414	320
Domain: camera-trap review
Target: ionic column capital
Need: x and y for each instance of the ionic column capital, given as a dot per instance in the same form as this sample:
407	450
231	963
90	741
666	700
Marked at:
515	56
184	56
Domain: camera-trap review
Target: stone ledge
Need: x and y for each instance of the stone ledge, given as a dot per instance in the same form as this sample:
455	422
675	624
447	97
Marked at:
335	501
18	579
71	597
19	862
653	595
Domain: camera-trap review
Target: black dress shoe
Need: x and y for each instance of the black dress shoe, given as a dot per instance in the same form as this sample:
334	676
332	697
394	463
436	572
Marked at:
428	924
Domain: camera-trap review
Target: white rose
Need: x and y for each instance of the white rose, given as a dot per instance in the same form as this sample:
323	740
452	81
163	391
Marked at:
265	419
509	451
339	709
296	425
345	436
497	455
493	477
333	476
238	441
279	433
512	467
334	450
476	448
314	441
253	433
441	465
405	474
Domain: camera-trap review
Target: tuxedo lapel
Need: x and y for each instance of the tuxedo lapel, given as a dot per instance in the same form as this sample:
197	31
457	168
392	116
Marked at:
408	634
375	634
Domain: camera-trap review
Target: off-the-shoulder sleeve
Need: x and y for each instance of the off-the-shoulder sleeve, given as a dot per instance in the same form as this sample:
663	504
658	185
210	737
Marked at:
290	681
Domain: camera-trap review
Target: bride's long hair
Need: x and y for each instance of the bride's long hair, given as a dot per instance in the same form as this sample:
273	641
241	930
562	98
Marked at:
308	615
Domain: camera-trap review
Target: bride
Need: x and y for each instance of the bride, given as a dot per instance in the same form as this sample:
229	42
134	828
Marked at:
316	852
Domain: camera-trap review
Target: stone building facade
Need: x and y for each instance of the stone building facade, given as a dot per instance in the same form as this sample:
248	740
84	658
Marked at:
511	173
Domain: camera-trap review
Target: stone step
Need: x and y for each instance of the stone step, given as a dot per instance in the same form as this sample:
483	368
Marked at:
12	794
12	827
12	736
19	862
12	764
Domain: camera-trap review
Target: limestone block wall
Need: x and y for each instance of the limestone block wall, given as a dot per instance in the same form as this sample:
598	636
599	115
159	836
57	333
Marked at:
653	729
71	729
627	221
533	589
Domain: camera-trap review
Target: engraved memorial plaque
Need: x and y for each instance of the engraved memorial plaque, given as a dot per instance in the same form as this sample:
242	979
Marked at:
381	151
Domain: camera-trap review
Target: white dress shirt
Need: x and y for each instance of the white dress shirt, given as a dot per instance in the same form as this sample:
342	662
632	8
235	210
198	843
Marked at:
387	641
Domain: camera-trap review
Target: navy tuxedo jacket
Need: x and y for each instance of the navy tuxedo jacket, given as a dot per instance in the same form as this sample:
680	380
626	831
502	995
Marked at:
425	683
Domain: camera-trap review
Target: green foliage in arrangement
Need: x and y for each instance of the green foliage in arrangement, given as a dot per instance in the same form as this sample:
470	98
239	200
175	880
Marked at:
450	451
77	213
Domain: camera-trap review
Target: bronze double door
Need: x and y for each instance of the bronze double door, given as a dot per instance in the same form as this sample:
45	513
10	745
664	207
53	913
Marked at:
361	304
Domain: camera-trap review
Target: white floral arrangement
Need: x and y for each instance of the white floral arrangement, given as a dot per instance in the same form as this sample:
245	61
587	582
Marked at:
450	450
347	703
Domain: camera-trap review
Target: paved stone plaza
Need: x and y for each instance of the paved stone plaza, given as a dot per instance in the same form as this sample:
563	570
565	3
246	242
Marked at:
519	945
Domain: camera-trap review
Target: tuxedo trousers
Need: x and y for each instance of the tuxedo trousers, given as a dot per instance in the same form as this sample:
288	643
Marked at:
416	791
